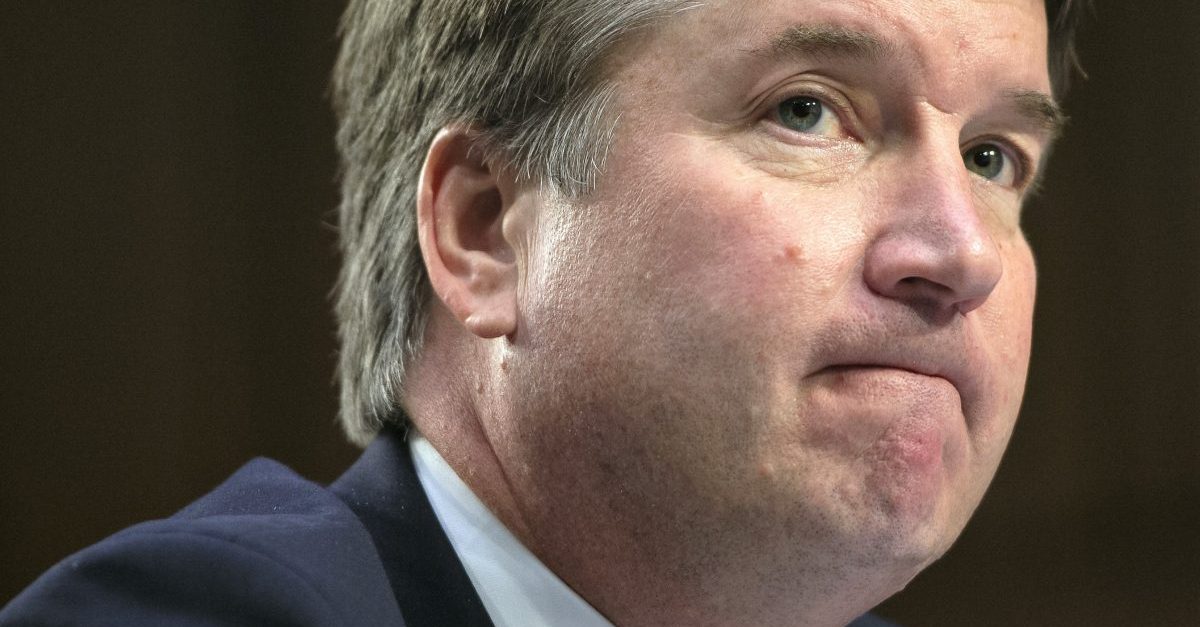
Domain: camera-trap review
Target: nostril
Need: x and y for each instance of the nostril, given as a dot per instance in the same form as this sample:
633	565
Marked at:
947	269
921	287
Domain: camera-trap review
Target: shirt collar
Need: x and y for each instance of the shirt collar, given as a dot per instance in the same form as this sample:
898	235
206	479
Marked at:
514	585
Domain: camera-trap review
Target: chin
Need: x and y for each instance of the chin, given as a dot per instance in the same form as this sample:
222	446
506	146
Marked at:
892	556
918	544
903	531
915	502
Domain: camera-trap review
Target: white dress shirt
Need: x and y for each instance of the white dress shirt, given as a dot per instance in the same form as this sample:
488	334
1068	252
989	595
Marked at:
517	590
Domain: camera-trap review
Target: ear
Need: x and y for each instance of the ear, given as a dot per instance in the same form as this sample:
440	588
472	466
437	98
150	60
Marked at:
461	203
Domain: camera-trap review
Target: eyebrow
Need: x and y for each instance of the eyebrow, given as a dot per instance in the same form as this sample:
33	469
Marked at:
823	40
1039	108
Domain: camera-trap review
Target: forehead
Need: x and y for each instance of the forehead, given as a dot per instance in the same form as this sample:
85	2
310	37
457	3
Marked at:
940	43
931	20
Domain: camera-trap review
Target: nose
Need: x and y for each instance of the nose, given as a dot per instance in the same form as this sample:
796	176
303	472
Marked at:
934	248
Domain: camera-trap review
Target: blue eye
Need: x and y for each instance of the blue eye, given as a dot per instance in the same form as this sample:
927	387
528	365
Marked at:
801	113
990	162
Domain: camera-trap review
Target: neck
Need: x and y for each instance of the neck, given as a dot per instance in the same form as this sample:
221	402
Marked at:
445	402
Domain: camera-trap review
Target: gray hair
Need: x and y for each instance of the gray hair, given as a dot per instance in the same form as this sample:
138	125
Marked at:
529	76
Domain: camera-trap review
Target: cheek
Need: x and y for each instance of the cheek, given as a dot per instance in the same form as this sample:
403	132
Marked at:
1012	316
731	239
719	248
1006	323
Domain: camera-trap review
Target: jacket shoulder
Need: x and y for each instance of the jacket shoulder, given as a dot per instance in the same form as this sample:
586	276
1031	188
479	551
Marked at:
265	547
871	620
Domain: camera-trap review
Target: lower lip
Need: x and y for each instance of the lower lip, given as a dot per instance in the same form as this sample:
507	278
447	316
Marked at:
897	382
897	415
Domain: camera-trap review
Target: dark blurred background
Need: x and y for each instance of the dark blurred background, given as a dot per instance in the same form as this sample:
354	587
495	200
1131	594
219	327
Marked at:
167	181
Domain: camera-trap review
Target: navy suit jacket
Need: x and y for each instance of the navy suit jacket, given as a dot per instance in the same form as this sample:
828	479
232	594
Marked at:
268	547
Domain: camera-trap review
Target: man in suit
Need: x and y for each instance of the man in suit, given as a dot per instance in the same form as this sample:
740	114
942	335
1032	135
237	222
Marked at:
652	312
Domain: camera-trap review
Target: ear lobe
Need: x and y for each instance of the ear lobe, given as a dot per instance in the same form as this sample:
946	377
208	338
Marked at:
461	204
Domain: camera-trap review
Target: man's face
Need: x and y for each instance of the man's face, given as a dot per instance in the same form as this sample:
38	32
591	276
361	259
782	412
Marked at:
791	327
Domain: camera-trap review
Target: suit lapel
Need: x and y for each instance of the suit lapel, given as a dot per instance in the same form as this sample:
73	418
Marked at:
427	578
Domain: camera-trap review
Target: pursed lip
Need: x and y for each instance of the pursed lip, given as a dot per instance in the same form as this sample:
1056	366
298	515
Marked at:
941	357
920	369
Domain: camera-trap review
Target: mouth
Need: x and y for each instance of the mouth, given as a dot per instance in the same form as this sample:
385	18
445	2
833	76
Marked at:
874	378
894	363
901	381
882	370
